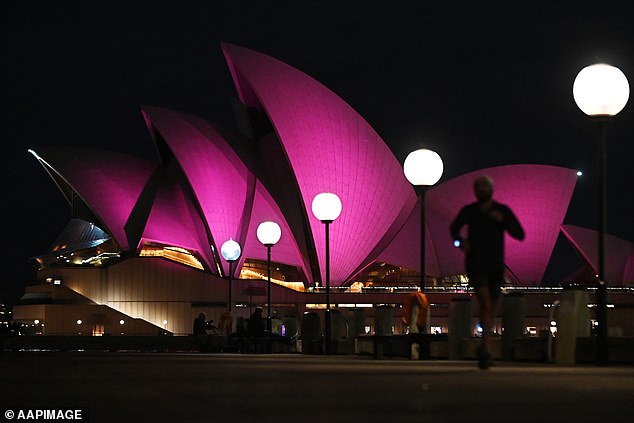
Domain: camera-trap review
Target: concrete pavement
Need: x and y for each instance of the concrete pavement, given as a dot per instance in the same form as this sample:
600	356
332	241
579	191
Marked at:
299	388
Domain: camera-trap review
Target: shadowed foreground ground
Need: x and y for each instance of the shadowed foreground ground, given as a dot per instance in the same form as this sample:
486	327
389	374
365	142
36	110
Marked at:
295	388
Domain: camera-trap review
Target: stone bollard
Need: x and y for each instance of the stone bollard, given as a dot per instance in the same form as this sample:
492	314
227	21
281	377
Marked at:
428	321
513	321
583	314
414	349
339	332
460	325
310	334
357	325
572	321
383	321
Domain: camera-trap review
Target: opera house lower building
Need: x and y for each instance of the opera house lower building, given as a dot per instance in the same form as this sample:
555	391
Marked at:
141	254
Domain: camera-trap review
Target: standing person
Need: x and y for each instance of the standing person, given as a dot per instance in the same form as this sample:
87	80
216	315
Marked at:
200	324
486	221
256	332
255	325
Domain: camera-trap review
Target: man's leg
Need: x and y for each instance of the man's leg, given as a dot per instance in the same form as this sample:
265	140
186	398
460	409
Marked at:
486	315
487	305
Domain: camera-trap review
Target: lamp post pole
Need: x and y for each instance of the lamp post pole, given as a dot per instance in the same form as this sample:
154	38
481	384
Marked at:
269	324
327	207
602	288
423	238
230	251
230	277
328	316
601	91
423	168
268	233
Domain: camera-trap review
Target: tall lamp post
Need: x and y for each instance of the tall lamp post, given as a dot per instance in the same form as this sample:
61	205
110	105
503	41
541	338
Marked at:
327	207
269	233
422	168
601	91
230	251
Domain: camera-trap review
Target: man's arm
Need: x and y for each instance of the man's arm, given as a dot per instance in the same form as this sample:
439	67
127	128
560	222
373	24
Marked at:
457	224
512	225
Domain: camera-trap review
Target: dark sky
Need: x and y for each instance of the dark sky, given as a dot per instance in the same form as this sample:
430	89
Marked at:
483	83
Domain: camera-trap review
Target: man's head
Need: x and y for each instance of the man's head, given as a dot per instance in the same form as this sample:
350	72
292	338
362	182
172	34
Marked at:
483	188
202	316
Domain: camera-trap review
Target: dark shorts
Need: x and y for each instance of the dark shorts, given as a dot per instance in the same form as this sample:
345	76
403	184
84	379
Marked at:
487	279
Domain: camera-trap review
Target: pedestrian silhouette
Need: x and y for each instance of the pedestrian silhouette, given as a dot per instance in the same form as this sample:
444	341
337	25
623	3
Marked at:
200	324
486	222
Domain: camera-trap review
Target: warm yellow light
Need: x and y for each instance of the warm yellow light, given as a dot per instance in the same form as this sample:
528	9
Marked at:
177	254
250	274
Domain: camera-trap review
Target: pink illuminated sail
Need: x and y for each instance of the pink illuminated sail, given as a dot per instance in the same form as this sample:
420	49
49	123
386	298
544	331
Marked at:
330	148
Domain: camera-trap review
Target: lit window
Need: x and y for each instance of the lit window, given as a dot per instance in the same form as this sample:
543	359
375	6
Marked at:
177	254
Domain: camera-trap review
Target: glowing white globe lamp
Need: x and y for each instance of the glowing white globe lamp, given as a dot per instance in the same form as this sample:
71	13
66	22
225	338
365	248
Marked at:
423	167
269	233
326	206
601	90
230	250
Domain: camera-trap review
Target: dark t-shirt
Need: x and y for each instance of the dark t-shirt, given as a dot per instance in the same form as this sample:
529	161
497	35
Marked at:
199	326
255	326
485	235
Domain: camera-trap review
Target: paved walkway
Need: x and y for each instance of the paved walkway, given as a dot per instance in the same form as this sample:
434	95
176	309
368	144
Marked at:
294	388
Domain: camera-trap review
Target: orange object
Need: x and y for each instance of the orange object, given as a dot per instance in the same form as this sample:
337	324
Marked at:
420	300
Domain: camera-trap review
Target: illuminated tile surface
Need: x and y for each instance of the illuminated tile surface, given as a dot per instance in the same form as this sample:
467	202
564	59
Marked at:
619	253
109	183
331	149
539	196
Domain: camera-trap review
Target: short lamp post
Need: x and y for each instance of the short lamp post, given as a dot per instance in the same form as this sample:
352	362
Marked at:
230	251
601	91
423	168
269	234
327	208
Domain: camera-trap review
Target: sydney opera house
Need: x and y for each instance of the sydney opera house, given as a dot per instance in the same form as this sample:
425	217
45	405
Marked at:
141	252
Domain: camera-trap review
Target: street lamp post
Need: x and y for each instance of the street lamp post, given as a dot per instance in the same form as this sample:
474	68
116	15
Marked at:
327	207
230	251
269	233
601	91
423	168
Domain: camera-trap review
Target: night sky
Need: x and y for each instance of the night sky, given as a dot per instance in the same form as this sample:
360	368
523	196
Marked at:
482	83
